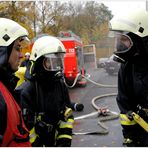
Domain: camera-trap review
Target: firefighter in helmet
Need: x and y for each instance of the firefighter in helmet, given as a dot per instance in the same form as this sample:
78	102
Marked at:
13	37
44	98
131	34
26	60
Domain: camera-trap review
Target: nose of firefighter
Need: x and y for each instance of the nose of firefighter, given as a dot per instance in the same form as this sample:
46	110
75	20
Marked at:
21	55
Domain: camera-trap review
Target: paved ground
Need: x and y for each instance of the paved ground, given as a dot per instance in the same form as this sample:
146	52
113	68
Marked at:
85	95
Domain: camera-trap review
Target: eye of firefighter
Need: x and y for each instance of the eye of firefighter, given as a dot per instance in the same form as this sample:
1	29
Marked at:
47	63
21	43
17	46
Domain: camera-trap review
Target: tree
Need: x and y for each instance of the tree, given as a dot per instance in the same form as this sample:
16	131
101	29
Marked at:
89	19
17	11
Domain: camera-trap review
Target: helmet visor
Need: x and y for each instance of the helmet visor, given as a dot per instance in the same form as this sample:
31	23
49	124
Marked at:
123	41
53	62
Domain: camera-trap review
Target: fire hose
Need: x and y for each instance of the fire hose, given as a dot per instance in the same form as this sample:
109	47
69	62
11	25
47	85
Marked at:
87	78
107	114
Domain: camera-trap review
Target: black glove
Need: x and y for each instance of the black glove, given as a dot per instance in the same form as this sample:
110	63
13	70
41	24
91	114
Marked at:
42	127
46	133
78	107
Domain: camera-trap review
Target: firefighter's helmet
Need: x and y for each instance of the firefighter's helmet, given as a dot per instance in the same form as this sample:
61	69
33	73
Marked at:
131	21
131	32
52	49
46	45
10	31
27	54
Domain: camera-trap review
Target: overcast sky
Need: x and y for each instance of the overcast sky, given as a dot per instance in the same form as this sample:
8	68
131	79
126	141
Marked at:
117	6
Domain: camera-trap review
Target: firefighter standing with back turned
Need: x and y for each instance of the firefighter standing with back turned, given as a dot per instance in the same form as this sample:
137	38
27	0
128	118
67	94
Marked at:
44	96
13	38
131	33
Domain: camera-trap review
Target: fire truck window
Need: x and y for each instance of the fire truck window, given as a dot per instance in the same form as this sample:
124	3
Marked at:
79	56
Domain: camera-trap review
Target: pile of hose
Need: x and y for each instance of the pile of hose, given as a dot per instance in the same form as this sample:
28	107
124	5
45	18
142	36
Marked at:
110	115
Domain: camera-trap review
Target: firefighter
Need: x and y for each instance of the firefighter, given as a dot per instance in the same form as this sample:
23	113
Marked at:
131	35
26	60
13	132
44	97
20	73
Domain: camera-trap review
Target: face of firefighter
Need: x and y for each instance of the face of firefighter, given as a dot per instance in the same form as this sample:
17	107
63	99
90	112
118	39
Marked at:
53	62
27	57
123	42
16	53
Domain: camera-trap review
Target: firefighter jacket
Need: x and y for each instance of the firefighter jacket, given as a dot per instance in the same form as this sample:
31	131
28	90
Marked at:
24	63
12	128
133	92
44	103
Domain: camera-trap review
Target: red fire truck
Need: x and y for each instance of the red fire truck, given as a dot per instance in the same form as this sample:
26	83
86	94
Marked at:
73	60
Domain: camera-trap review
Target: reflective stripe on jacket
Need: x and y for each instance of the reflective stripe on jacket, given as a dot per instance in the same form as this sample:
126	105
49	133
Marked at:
65	129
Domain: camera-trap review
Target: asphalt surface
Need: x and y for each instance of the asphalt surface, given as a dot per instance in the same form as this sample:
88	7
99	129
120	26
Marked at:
85	95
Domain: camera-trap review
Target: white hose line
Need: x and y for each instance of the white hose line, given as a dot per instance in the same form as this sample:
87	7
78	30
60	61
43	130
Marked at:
98	84
96	107
86	116
87	77
74	83
99	97
97	113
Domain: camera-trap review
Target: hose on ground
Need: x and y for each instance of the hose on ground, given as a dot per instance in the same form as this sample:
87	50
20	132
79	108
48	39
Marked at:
87	77
110	115
98	84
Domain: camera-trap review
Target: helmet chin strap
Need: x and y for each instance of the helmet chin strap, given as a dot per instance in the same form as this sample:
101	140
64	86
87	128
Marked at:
118	59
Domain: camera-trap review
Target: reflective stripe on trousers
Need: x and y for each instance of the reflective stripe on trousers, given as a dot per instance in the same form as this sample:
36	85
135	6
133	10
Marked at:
124	120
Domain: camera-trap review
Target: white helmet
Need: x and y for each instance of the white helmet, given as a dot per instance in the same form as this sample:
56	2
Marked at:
46	45
10	31
132	21
27	54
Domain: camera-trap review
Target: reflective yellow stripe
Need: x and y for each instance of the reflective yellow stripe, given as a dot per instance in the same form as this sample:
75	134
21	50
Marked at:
66	125
32	135
39	117
64	136
126	121
30	71
70	120
140	121
31	67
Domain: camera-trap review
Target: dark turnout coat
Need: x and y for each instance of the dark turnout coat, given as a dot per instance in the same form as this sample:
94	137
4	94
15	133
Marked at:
133	91
48	98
